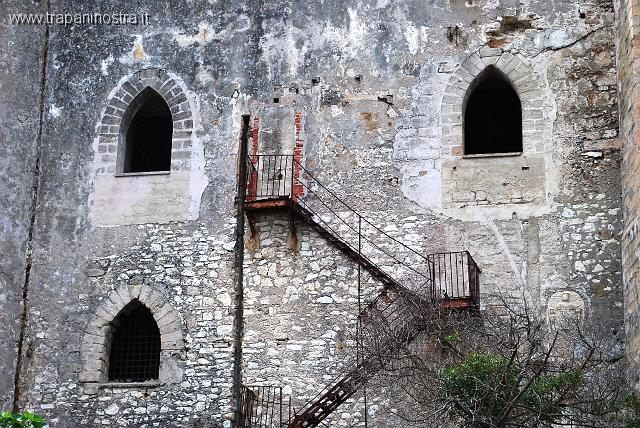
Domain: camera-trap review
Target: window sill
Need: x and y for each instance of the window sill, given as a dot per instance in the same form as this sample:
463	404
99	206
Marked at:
139	174
93	388
492	155
148	384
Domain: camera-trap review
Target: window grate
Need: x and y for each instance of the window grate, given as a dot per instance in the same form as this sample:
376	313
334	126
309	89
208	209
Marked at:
135	347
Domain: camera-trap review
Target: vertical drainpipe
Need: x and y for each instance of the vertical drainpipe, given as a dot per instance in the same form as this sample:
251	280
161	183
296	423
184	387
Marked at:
239	270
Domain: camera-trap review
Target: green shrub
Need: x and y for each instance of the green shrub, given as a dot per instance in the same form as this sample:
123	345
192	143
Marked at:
21	420
632	404
489	386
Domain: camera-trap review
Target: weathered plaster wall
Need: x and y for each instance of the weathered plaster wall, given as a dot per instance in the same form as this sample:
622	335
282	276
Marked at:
21	56
78	263
627	28
374	87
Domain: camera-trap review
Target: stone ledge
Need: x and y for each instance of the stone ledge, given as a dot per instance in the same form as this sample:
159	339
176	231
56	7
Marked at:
92	388
141	174
491	155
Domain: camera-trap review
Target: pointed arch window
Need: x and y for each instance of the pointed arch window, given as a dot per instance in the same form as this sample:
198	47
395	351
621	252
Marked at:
492	116
134	355
145	134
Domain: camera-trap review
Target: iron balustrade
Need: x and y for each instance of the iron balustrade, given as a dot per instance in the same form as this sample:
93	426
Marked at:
411	278
269	176
456	275
434	276
263	407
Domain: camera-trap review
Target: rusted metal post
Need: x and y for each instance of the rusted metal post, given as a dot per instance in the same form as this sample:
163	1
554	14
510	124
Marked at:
239	273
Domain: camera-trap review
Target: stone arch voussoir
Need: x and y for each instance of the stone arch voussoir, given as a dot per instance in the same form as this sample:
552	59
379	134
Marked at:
96	335
526	83
167	85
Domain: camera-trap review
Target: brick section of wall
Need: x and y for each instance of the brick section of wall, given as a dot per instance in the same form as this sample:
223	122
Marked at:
628	53
255	135
298	187
253	179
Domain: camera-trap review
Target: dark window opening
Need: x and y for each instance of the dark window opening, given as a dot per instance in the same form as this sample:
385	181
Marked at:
492	116
148	136
135	345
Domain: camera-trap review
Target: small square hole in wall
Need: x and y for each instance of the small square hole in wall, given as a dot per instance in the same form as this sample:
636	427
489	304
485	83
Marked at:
315	81
276	100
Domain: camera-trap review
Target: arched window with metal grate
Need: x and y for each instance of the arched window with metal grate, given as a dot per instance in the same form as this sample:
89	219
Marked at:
134	355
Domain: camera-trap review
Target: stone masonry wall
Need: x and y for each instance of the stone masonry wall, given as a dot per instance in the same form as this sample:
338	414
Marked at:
21	54
189	270
290	296
627	27
370	97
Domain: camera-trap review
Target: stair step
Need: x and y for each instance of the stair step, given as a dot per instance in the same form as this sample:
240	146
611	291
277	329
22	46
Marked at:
389	322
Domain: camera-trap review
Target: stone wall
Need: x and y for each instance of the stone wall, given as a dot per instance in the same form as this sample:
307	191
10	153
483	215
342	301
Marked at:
20	115
291	294
184	277
370	97
627	26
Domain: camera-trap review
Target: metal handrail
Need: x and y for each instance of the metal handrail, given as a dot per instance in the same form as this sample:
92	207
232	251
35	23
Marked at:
270	172
263	406
363	236
255	160
449	275
355	212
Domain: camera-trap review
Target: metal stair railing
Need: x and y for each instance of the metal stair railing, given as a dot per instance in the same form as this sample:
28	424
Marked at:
273	177
404	271
396	330
263	407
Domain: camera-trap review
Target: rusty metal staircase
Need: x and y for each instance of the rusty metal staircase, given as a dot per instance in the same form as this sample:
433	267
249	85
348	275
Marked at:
387	324
410	280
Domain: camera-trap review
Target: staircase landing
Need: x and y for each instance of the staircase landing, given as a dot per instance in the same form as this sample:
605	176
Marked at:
447	280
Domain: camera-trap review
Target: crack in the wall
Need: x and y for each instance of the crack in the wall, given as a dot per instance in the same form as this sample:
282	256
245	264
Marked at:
502	243
35	188
568	45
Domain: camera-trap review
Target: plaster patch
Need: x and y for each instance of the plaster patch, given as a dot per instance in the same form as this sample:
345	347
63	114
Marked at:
204	35
136	53
412	36
357	28
55	111
553	38
105	64
336	111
